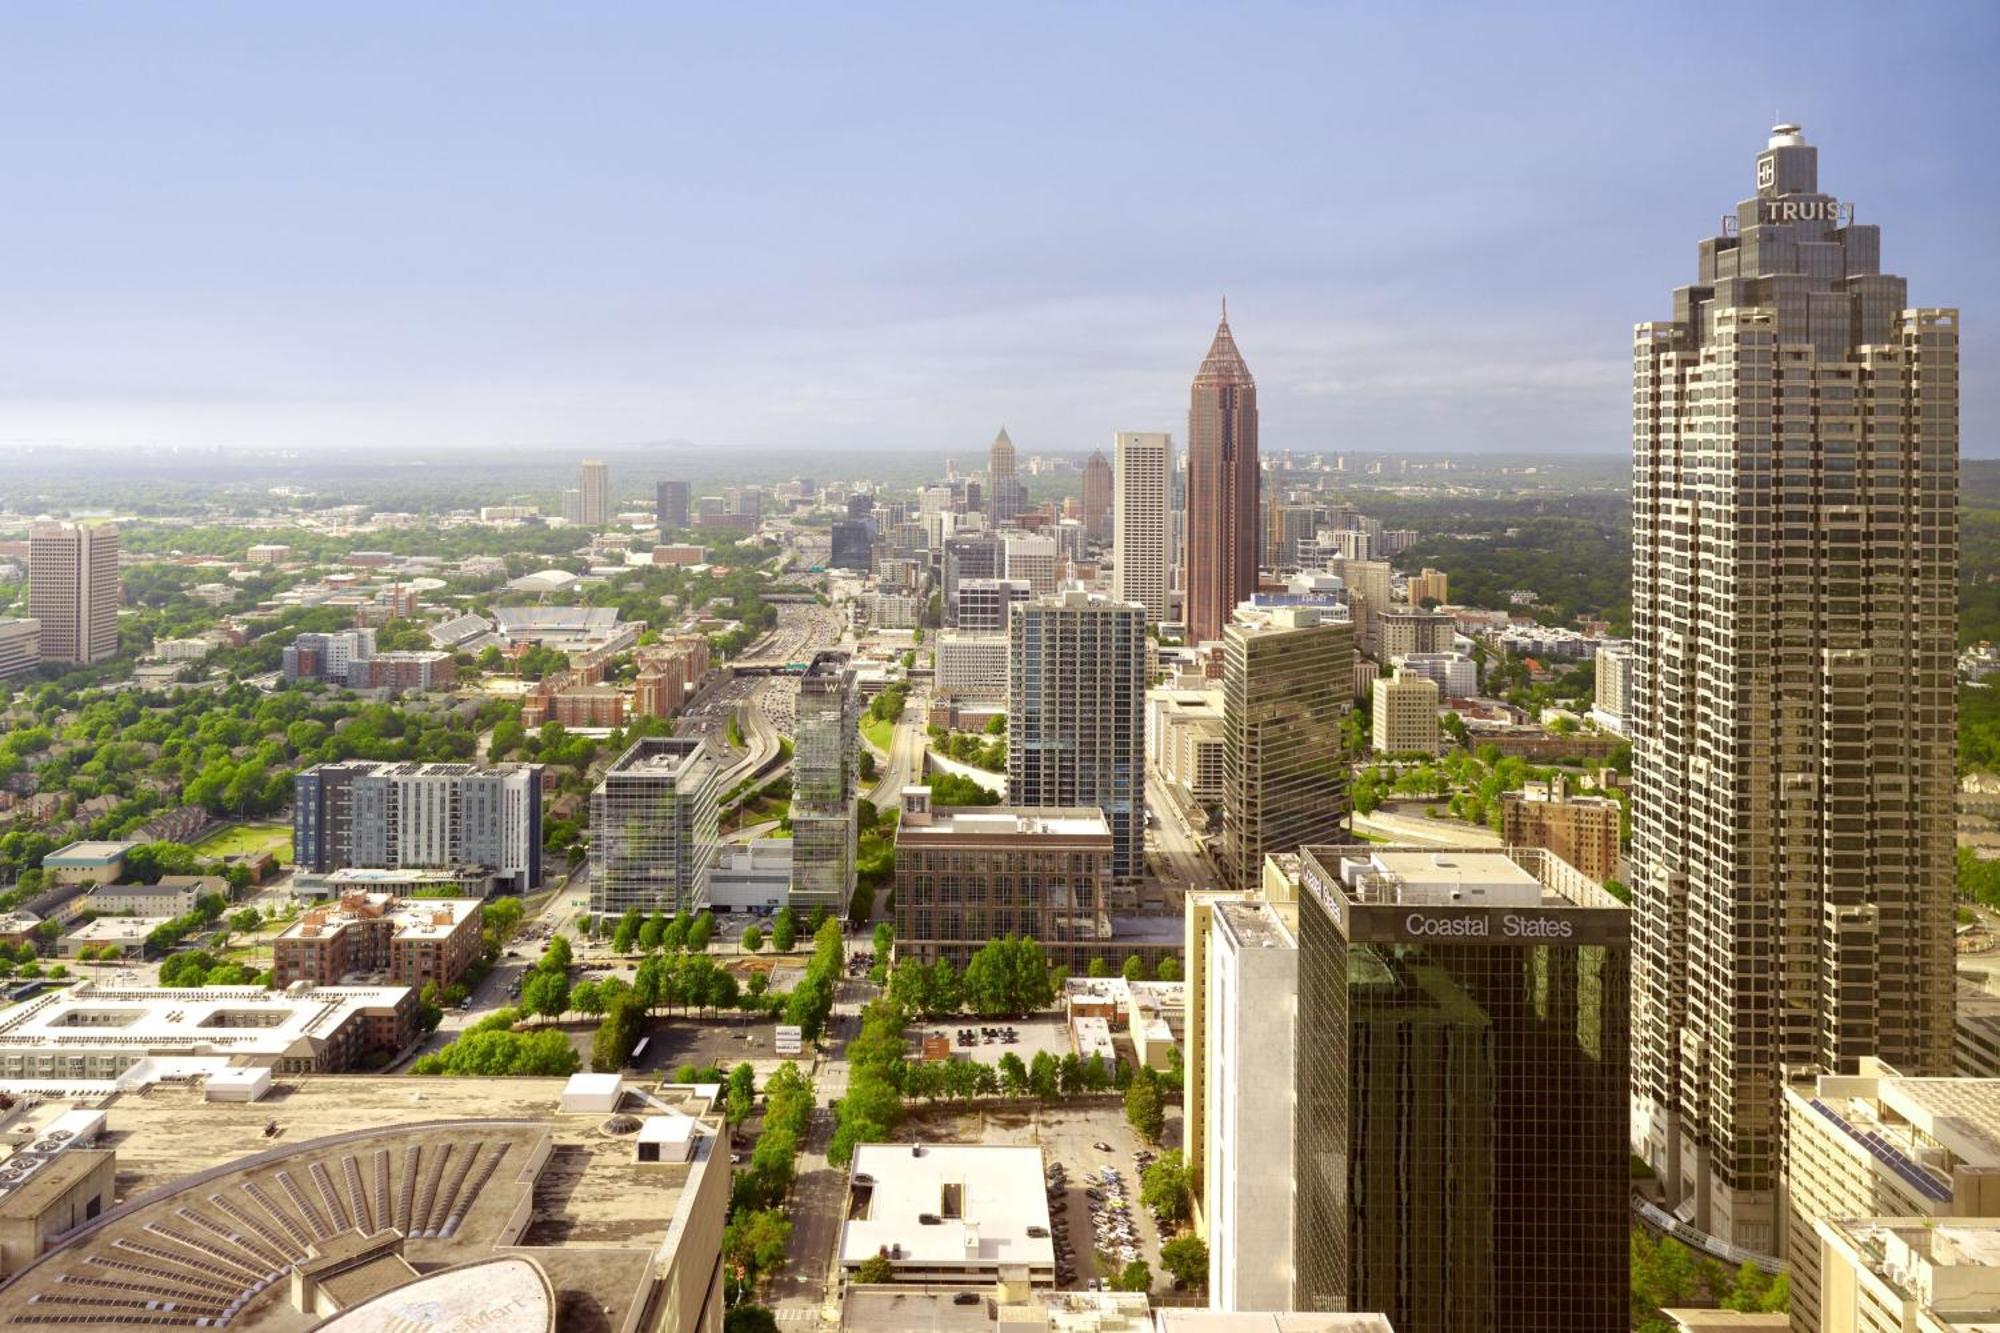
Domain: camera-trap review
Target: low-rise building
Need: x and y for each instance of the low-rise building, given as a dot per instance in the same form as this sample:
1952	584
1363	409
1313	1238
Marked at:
754	876
414	941
85	863
360	1214
125	934
20	646
1456	674
165	899
949	1212
96	1033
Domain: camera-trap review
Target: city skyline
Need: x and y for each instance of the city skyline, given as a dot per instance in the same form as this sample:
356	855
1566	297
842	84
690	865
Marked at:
910	313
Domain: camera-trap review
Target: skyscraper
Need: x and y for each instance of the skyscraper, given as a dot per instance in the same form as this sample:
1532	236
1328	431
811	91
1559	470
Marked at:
594	494
1139	558
1097	497
823	789
73	590
1076	714
1794	491
1220	567
1460	1112
1005	495
653	838
1287	688
672	504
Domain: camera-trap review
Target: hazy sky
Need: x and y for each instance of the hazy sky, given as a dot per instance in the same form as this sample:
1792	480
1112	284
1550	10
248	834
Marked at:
428	226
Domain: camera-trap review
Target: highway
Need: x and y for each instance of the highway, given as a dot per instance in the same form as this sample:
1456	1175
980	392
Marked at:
1421	829
905	761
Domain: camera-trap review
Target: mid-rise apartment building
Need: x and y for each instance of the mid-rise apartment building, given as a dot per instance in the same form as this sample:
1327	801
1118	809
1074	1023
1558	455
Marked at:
1076	705
653	828
824	826
1404	713
416	941
1613	699
1432	585
1794	505
1404	631
74	590
1285	702
1582	830
1461	1091
969	874
1456	674
366	814
1141	501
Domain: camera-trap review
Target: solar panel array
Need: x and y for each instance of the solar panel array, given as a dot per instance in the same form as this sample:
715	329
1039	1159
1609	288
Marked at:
1916	1177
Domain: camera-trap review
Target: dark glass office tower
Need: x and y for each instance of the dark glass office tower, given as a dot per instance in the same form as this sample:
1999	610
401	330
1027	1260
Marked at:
1461	1091
671	505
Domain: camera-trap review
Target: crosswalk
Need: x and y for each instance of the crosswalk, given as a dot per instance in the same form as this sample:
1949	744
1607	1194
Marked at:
797	1315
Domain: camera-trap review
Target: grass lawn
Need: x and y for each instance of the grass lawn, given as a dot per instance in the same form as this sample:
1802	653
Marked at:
236	838
878	731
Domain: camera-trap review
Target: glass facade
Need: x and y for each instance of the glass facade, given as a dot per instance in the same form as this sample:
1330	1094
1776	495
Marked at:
1461	1112
823	786
1287	690
653	838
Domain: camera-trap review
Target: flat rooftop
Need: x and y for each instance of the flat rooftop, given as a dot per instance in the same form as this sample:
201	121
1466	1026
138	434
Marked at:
240	1020
1902	1122
411	918
1373	875
87	853
998	1191
663	756
1255	925
1006	821
1949	1268
468	1168
1217	1321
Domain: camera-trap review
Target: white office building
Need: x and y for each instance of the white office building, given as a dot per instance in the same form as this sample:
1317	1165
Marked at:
1141	495
972	666
1251	1004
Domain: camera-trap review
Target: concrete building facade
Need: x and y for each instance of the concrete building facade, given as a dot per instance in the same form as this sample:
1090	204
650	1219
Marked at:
74	590
1794	497
1404	713
1076	708
1141	570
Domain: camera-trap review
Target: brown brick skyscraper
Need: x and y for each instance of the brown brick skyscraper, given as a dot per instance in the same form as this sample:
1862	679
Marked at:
1222	527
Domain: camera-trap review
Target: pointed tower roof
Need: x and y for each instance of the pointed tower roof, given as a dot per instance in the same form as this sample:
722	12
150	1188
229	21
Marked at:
1224	364
1002	438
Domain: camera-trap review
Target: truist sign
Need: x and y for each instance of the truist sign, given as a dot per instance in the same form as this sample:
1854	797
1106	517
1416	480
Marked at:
1774	211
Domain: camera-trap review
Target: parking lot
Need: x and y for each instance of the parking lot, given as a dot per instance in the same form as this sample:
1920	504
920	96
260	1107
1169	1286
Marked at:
1068	1135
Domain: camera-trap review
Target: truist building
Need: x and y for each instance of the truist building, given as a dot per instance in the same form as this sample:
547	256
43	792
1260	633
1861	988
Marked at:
1461	1106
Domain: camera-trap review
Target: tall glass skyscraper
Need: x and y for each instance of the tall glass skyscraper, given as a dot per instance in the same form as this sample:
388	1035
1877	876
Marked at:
1222	478
1794	505
823	787
1460	1111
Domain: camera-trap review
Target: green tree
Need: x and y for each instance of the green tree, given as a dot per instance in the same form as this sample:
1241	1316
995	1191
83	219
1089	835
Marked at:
587	997
1045	1076
1099	967
1013	1074
546	993
1145	1109
742	1095
875	1269
1137	1276
617	1034
1186	1260
1168	970
653	932
755	1244
750	1319
700	933
753	939
1164	1187
784	930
